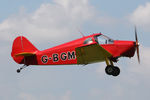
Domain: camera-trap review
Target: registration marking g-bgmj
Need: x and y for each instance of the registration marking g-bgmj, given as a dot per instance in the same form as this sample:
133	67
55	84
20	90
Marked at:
56	57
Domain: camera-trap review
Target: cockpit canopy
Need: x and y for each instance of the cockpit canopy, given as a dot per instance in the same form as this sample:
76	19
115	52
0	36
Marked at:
102	39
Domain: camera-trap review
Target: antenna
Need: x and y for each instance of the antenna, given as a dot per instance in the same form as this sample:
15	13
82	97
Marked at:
81	33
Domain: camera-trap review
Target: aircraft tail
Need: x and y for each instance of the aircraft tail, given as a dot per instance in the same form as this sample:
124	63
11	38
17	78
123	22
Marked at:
23	51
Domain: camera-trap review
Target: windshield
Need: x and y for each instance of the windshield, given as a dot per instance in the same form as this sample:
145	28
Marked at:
102	39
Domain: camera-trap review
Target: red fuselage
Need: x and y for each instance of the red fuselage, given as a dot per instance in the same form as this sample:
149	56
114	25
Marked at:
66	53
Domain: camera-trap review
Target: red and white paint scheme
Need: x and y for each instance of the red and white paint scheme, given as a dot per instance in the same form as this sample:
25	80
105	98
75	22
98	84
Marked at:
88	49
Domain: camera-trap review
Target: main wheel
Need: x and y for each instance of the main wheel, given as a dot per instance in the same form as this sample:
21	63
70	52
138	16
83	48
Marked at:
109	70
116	71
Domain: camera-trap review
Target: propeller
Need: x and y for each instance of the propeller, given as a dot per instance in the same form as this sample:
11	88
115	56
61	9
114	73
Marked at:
137	45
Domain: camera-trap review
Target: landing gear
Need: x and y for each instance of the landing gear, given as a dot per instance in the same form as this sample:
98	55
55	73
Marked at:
111	69
19	70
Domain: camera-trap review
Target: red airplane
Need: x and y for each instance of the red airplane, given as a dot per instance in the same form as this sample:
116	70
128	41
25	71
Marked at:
86	50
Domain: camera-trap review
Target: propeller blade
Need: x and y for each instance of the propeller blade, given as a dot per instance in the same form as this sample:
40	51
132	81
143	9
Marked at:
137	46
136	35
138	55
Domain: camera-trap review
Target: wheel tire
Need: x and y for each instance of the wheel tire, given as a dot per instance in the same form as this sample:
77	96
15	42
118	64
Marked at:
109	70
18	70
116	71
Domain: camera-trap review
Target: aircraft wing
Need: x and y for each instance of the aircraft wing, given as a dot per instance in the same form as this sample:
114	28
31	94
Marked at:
91	53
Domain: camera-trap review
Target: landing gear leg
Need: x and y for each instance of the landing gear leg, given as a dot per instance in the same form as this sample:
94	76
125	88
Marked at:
19	70
111	69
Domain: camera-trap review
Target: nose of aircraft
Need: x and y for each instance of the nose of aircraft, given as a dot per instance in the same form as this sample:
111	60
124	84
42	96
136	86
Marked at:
129	47
132	47
126	48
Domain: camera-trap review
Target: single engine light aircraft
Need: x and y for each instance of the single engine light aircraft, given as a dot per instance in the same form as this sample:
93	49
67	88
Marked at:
86	50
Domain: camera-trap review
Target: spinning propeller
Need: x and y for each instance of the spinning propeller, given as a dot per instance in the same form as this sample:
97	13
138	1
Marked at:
137	45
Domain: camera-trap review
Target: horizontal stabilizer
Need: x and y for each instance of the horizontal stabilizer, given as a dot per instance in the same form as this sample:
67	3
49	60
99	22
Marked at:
25	54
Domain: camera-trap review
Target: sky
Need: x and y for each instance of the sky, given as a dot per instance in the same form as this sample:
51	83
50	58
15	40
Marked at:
47	23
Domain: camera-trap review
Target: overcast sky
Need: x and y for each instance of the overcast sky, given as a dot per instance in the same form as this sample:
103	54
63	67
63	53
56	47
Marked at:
47	23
